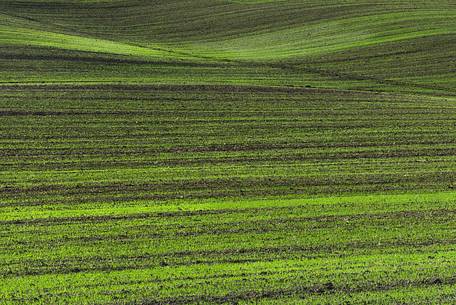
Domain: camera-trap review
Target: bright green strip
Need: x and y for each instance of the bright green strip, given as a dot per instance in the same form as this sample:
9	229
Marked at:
20	36
363	203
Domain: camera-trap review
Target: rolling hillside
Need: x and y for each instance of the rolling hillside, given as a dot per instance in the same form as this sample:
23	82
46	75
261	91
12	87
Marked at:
216	151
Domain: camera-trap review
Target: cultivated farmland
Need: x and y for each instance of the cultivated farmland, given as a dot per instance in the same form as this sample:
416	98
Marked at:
234	152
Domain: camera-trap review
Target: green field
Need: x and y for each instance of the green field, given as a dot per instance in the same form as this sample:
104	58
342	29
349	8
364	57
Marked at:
227	152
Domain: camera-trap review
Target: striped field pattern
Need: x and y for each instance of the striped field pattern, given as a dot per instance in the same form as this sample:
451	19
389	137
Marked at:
227	152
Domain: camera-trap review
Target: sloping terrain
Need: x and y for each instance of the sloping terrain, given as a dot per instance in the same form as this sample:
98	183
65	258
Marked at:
215	151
